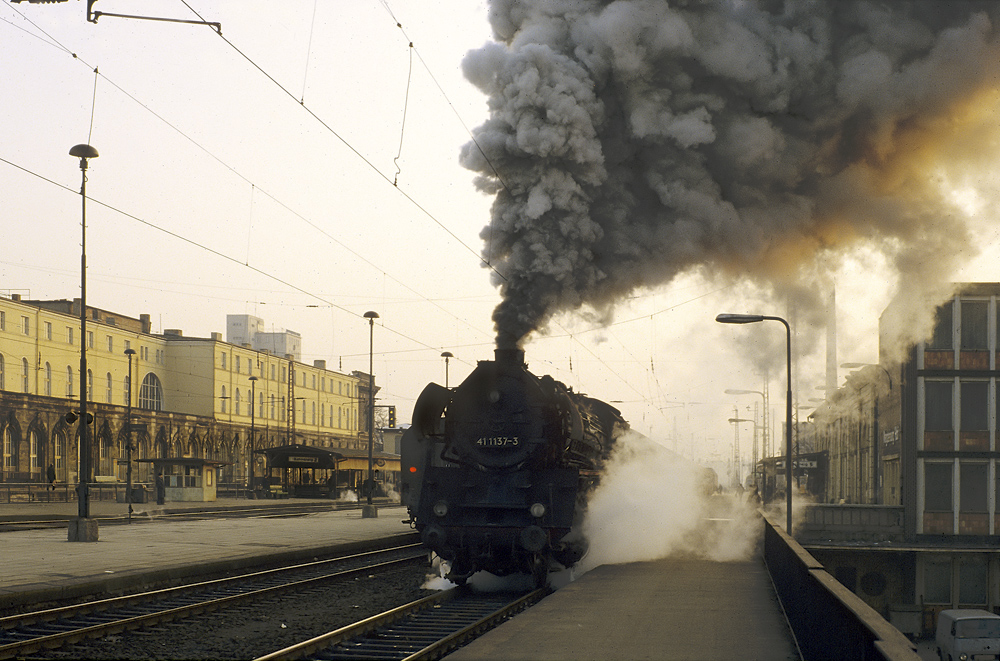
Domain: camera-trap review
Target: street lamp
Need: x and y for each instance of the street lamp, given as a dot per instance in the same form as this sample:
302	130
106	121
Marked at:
83	528
368	511
751	319
446	355
128	437
737	459
764	425
253	430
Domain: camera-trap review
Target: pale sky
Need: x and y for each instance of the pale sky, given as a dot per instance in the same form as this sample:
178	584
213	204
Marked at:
254	173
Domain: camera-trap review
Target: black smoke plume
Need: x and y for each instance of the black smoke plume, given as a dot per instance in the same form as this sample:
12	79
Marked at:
631	141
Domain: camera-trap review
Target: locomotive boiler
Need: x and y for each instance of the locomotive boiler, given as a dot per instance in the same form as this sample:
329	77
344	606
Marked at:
496	472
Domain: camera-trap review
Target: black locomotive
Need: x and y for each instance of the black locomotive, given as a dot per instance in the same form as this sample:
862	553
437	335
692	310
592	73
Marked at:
496	472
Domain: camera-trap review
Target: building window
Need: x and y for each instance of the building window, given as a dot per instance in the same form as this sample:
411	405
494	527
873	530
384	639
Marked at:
223	398
972	581
238	366
237	400
48	330
1	372
937	487
974	325
48	380
283	409
284	374
272	407
60	450
3	320
69	381
937	582
313	412
69	335
90	339
128	345
8	449
974	400
942	338
90	385
222	357
111	344
972	487
126	390
272	372
33	451
151	393
109	388
24	375
937	406
26	325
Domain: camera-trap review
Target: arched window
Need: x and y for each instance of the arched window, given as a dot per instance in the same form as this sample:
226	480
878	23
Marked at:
60	458
69	381
24	375
9	458
36	464
48	380
151	393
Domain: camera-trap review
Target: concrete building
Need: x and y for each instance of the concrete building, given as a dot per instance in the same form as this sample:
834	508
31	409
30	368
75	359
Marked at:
910	519
192	397
248	331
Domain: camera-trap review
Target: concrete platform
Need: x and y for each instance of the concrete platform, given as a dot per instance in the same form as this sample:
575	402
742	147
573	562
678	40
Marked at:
683	609
40	565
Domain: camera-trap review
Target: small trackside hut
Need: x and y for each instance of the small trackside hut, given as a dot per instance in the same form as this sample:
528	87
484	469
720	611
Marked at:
187	479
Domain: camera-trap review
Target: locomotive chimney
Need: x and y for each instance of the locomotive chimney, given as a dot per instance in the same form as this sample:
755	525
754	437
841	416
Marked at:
510	357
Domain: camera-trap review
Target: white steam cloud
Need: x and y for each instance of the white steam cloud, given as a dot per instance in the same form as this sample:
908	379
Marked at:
632	141
653	504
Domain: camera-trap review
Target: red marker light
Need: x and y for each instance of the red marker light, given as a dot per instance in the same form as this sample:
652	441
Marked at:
413	469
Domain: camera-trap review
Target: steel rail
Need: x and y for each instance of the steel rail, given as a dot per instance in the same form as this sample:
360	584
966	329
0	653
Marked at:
375	636
55	627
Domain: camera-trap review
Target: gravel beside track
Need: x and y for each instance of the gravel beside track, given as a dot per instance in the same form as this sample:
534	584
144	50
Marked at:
247	632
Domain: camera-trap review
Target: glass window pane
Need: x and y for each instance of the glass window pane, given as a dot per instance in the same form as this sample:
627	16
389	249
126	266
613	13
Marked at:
972	581
975	409
937	487
972	488
937	403
937	582
974	326
942	337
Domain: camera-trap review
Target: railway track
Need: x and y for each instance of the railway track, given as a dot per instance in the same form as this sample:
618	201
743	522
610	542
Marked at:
425	629
27	633
262	511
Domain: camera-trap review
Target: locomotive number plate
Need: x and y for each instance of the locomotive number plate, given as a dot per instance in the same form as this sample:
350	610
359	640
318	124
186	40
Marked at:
498	441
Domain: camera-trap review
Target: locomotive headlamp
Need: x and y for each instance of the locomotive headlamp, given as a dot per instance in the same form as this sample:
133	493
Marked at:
537	510
440	508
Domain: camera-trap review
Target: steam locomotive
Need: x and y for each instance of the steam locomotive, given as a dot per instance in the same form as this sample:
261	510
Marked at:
496	472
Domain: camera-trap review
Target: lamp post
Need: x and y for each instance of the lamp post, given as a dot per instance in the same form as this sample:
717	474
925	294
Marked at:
368	511
253	430
447	355
763	426
737	459
83	528
754	318
128	437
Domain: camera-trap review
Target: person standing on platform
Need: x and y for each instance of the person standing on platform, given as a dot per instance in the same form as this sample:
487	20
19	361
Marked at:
161	490
51	474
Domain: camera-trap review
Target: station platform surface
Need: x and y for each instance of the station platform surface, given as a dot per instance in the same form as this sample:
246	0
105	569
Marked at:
39	565
684	609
